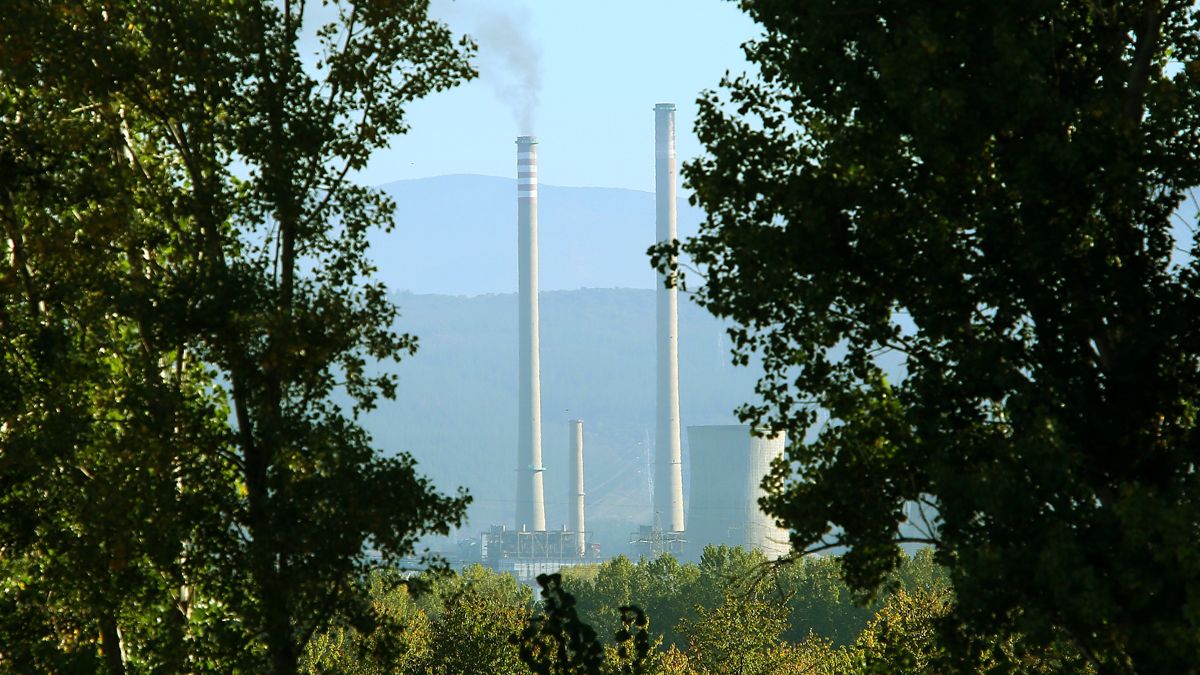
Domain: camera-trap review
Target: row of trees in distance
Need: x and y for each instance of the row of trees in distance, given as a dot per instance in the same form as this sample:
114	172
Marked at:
733	612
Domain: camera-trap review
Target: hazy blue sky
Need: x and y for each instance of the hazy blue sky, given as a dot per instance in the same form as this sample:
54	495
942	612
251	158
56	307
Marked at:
588	74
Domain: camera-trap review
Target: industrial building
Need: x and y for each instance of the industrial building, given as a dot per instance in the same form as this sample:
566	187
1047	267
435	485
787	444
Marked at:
531	508
529	549
727	462
667	533
668	467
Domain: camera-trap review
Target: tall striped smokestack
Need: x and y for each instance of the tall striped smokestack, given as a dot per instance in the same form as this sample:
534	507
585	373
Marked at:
531	510
668	465
575	497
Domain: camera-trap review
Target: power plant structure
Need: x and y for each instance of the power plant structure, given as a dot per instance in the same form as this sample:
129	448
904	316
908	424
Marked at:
668	469
531	507
666	535
526	554
530	549
575	493
728	462
728	465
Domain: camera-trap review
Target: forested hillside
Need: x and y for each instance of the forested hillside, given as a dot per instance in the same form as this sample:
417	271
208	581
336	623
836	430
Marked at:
458	235
456	404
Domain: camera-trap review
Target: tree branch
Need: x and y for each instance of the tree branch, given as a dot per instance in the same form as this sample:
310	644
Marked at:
1139	74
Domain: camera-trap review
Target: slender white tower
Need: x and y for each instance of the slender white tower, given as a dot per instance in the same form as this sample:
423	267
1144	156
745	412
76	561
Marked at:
531	510
575	496
668	465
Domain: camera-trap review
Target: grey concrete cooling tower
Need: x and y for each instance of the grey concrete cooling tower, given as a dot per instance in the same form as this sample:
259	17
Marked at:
728	465
668	465
576	493
531	509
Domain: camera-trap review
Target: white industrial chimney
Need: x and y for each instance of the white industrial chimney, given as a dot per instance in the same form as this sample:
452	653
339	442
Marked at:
575	496
531	510
668	469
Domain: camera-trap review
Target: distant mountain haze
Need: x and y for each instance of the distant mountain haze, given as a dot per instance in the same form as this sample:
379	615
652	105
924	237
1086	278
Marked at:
457	235
456	405
451	262
452	266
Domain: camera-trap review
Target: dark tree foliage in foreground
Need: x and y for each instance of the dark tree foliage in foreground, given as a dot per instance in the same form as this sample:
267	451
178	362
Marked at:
558	641
982	193
184	287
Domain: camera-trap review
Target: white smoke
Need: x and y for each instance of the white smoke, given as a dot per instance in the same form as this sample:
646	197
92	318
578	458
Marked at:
509	60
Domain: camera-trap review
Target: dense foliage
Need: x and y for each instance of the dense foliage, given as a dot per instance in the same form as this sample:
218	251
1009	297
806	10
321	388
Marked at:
462	623
810	591
731	613
184	287
980	198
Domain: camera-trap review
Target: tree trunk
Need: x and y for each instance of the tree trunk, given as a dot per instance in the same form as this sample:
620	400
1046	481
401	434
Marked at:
110	639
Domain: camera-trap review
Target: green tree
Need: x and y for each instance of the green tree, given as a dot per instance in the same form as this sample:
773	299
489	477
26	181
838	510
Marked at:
597	598
908	635
445	623
901	638
477	613
726	570
664	588
294	315
396	639
978	199
151	292
821	603
921	572
557	640
114	471
741	635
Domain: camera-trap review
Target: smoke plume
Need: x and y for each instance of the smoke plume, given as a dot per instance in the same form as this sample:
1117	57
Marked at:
509	60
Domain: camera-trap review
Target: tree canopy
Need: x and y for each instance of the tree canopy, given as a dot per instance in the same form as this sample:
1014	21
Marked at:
184	286
952	235
745	616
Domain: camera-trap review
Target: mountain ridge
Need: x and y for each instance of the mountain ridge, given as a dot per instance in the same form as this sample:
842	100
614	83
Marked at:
456	405
456	235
